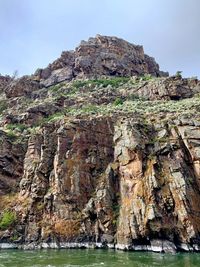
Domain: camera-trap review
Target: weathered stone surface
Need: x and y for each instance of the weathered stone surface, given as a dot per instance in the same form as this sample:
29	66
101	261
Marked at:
172	88
73	175
11	163
4	82
154	189
21	86
58	76
102	55
159	245
63	168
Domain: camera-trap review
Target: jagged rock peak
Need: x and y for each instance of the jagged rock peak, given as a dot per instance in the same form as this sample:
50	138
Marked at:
99	56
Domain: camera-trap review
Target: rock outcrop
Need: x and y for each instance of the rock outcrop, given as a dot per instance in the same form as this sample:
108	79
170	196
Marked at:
11	162
21	86
99	150
99	56
171	88
102	55
4	82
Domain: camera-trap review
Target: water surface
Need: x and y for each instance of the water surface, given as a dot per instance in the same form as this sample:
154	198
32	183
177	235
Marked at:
95	258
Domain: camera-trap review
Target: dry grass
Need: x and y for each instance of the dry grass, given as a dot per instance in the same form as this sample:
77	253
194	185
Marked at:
8	201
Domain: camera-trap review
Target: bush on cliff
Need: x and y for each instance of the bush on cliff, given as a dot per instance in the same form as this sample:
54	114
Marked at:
8	218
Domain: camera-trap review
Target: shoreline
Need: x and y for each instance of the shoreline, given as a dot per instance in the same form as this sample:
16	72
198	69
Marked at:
159	246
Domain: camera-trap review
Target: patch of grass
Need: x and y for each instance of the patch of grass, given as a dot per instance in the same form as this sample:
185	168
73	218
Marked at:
11	135
15	237
8	218
118	101
132	104
79	84
146	77
18	126
13	131
50	119
56	88
54	117
90	109
114	82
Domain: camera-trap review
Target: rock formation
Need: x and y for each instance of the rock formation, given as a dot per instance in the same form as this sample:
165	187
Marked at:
102	55
100	150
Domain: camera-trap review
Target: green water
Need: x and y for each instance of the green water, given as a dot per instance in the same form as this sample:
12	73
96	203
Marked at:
94	258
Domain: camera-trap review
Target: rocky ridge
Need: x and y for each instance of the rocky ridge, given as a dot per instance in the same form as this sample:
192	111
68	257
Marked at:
100	149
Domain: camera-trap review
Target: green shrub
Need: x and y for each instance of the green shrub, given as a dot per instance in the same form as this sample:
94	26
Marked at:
11	135
54	117
90	109
8	218
118	101
15	237
78	84
146	77
179	74
18	126
56	88
114	82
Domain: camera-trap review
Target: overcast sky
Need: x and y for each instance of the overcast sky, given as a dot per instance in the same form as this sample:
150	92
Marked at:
33	33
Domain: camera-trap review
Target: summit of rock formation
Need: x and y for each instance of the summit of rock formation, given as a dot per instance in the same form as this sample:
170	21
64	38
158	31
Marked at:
100	149
102	55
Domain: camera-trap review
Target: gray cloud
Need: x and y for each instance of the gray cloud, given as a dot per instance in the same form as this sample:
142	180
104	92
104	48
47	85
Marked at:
34	32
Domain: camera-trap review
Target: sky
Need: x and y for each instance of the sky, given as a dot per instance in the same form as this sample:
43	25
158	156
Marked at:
33	33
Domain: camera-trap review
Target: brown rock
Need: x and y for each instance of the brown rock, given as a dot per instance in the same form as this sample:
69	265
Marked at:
102	55
11	163
21	86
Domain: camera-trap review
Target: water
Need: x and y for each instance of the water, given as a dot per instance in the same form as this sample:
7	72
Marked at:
95	258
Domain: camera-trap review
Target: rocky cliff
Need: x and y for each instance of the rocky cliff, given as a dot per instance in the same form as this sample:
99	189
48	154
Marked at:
100	149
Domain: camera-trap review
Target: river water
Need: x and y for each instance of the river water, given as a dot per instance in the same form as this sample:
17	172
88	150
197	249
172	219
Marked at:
95	258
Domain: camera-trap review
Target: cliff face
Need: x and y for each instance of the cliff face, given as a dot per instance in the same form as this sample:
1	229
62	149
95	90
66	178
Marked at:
104	162
116	182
